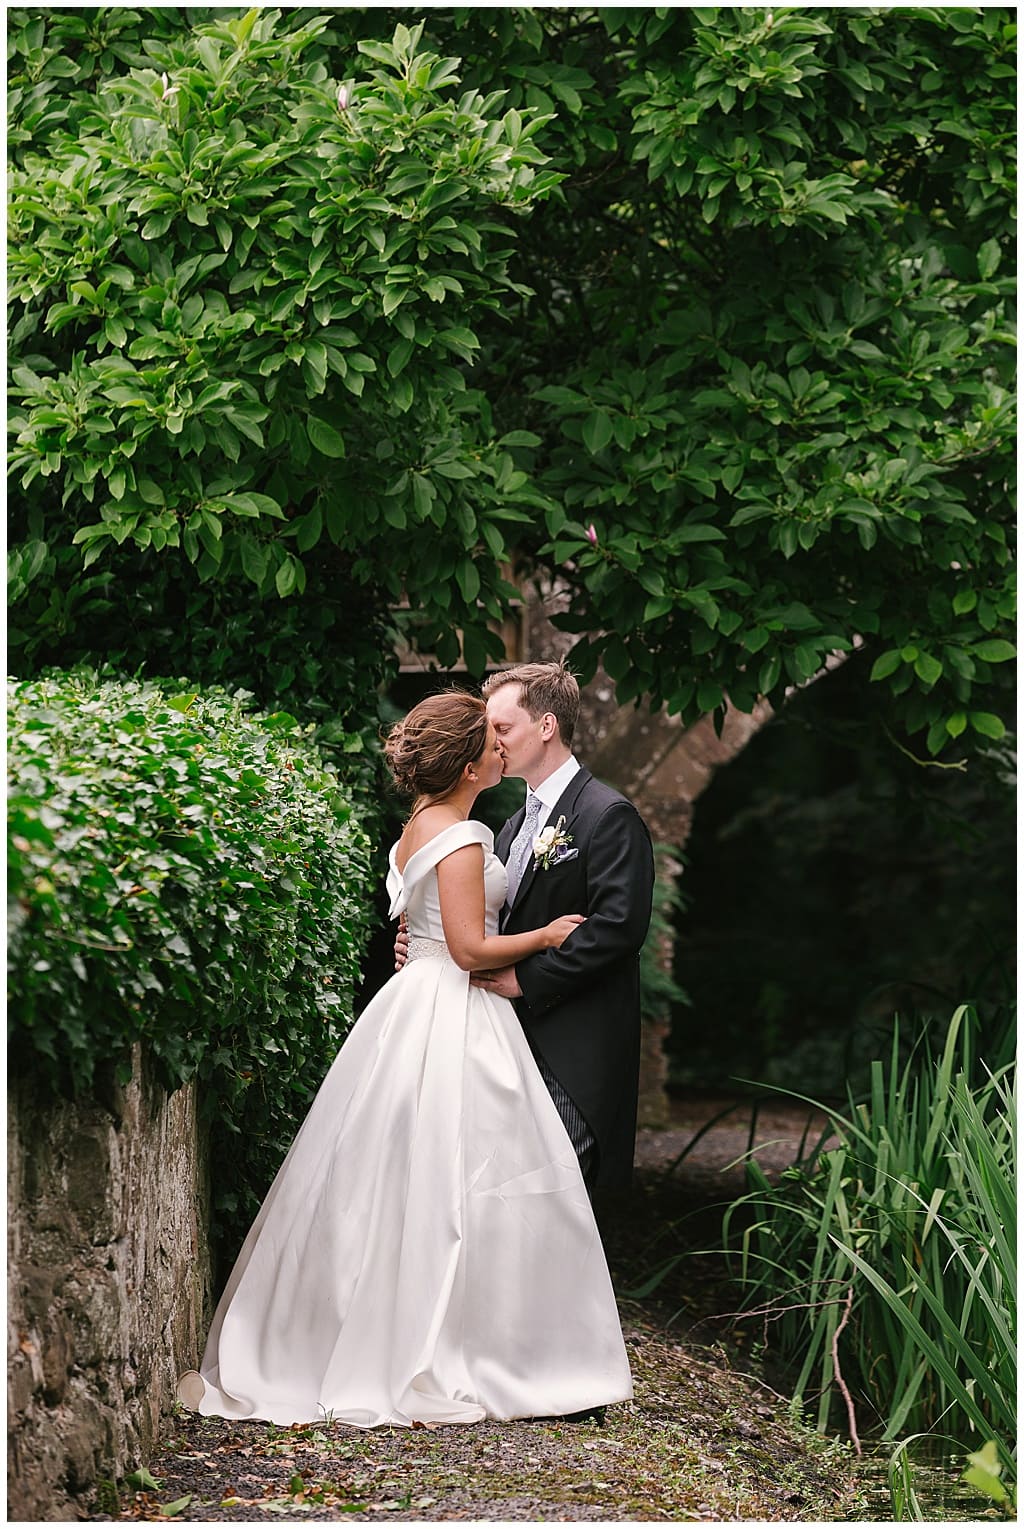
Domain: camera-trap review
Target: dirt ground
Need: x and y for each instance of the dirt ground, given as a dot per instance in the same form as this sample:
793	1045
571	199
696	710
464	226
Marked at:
704	1438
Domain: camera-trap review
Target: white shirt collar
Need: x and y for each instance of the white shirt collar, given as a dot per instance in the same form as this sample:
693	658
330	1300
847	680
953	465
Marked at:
551	789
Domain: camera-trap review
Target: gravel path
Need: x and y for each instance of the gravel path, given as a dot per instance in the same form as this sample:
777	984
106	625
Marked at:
702	1439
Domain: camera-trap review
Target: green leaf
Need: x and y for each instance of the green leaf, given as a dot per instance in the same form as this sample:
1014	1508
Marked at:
994	650
143	1480
659	606
255	557
989	256
927	668
459	339
328	441
285	577
597	431
423	495
457	471
467	577
984	1472
986	723
937	736
697	532
789	538
308	529
252	505
398	356
749	512
886	664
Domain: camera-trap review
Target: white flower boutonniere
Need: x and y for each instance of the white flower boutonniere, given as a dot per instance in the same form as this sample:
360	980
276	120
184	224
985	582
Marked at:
549	845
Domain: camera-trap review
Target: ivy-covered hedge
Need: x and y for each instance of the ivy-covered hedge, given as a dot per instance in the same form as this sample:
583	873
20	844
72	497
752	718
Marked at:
189	874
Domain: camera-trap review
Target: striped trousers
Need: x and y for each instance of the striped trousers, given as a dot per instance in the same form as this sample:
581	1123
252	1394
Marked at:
582	1137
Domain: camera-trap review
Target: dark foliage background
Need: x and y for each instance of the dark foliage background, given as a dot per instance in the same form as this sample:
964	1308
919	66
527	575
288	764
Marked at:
831	882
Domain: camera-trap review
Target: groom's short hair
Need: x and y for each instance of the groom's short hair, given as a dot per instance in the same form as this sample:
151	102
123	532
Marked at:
545	688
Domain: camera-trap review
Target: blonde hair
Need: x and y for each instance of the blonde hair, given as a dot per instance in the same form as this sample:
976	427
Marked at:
544	688
429	749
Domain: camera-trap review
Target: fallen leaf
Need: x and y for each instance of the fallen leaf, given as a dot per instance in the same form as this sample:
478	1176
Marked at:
142	1478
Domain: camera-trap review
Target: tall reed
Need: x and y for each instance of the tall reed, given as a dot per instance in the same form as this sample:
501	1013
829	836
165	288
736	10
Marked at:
885	1259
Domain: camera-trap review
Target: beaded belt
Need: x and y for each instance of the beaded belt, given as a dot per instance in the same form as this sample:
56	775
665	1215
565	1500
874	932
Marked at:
420	947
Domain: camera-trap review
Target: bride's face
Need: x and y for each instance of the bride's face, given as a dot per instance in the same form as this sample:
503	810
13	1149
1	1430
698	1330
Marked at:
489	766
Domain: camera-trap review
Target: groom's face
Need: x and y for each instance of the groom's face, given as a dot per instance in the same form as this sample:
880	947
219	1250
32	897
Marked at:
520	736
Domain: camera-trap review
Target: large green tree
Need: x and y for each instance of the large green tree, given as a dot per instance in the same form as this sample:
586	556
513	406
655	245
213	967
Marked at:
752	405
242	289
771	355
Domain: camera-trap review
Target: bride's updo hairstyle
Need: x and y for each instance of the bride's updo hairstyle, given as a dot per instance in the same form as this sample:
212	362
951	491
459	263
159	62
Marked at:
429	749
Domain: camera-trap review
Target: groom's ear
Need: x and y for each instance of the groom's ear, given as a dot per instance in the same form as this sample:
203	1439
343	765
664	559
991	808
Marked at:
549	726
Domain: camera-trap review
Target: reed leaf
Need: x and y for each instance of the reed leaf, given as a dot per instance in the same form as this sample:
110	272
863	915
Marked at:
912	1203
905	1502
936	1354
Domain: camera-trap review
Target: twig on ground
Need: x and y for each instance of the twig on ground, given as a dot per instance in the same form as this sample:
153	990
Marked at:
840	1382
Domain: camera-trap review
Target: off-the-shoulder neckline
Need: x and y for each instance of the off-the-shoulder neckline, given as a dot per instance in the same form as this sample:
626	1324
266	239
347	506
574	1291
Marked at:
471	822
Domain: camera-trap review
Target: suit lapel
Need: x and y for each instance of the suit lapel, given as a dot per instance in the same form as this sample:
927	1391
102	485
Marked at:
564	807
502	845
507	832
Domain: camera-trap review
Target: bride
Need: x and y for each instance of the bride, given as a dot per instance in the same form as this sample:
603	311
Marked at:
427	1252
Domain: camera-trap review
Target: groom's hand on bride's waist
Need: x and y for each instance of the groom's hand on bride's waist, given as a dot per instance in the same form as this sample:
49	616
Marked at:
401	945
502	982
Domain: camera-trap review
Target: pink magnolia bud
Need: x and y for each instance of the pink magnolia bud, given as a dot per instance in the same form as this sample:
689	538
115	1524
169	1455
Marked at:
343	98
592	534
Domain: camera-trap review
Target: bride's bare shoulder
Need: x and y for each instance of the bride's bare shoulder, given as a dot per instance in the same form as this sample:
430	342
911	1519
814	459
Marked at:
426	825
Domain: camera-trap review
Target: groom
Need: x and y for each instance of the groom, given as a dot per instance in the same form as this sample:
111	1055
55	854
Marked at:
579	1005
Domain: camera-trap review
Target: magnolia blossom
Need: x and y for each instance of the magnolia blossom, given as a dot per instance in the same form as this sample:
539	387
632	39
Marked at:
343	98
592	534
168	90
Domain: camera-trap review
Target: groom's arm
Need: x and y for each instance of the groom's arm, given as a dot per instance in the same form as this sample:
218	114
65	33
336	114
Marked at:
620	885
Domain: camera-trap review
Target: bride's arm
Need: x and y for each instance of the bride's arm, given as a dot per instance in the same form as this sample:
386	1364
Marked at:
460	884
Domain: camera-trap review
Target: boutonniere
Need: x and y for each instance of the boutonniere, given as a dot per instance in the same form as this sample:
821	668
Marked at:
549	844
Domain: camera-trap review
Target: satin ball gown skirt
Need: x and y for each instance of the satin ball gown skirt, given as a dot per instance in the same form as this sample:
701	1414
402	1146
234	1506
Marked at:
427	1252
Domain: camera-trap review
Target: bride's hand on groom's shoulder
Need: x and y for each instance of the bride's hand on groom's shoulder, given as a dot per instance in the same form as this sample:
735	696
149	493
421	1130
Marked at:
502	982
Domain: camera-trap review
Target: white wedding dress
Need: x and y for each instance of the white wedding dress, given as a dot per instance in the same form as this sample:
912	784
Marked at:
427	1252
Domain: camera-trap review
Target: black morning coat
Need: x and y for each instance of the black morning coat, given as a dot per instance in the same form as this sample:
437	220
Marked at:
580	1007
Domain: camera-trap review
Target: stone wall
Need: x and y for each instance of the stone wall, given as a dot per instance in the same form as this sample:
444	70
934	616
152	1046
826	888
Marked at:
108	1282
